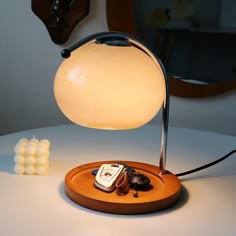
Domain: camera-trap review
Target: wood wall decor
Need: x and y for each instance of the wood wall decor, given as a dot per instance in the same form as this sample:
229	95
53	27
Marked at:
60	16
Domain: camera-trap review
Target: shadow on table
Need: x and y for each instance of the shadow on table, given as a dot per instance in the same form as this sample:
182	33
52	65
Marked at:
6	163
180	203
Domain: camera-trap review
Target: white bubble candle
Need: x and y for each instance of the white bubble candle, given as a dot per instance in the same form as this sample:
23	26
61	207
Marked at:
31	156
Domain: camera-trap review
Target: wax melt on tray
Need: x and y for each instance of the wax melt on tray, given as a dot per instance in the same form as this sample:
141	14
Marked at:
31	156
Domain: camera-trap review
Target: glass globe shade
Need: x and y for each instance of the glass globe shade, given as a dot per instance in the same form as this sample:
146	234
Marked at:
110	87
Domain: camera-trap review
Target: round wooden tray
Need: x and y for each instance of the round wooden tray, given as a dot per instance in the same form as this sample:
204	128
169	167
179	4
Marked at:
80	188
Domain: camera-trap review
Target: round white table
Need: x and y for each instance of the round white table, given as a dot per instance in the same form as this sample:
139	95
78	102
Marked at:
37	205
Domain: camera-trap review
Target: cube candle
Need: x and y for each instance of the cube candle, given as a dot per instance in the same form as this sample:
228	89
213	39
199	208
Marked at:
31	156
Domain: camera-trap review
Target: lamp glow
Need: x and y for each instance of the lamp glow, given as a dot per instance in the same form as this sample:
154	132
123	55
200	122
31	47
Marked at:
109	87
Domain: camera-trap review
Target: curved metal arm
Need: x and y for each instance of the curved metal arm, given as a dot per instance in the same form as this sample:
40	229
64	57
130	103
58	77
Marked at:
164	134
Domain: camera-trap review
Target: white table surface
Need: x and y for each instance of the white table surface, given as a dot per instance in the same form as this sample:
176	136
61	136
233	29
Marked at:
37	205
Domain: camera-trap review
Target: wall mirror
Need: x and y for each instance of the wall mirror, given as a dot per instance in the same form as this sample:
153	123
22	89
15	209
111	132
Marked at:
195	39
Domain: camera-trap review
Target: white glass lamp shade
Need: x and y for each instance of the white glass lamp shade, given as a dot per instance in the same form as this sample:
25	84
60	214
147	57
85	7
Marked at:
109	87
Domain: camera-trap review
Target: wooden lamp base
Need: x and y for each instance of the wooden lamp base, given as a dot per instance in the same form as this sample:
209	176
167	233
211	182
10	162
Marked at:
164	191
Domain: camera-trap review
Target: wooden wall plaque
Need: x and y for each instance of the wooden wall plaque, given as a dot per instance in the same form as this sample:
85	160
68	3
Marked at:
60	16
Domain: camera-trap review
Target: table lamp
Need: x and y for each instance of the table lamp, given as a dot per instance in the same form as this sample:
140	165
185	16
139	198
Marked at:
114	81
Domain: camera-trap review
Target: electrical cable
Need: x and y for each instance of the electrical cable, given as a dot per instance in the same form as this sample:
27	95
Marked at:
207	165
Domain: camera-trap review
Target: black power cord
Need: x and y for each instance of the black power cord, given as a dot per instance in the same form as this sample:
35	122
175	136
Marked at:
207	165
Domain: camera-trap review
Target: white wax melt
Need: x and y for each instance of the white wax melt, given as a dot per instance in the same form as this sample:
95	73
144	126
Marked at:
20	149
41	170
19	169
34	141
19	159
42	150
31	157
30	160
29	170
40	161
45	142
31	149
